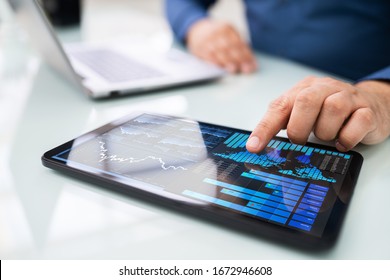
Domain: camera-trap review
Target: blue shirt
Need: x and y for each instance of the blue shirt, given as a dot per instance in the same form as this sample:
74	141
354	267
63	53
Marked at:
350	38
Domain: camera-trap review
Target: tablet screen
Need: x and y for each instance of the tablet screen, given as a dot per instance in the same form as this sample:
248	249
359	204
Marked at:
289	185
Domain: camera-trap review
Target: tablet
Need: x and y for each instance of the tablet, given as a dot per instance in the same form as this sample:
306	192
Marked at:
287	192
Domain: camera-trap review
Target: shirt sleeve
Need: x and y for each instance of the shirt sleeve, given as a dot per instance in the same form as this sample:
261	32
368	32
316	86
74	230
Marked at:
181	14
383	75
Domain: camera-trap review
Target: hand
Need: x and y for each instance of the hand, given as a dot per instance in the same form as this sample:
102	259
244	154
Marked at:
219	43
332	109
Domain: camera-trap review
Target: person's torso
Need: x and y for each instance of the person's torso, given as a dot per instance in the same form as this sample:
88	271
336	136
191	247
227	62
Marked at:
350	38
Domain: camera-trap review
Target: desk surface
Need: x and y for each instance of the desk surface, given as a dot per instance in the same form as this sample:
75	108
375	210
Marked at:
44	215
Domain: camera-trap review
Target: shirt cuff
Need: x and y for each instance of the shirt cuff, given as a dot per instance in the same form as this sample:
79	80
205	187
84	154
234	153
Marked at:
383	75
182	21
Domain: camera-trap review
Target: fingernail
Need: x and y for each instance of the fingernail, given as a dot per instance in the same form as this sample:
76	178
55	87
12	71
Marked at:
253	142
340	147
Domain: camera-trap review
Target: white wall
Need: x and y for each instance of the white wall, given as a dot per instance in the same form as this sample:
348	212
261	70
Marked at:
153	14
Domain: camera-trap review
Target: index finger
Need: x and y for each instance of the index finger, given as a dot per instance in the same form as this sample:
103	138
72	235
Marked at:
274	120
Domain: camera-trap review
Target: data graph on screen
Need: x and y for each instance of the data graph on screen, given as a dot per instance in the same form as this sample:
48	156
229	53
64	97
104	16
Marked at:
289	159
104	156
285	183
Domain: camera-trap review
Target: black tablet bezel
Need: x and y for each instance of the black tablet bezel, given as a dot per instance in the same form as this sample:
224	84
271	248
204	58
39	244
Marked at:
211	212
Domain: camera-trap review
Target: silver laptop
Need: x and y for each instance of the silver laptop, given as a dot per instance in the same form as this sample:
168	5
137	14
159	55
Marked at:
110	69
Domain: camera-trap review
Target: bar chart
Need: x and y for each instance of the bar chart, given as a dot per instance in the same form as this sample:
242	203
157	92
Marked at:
287	158
284	201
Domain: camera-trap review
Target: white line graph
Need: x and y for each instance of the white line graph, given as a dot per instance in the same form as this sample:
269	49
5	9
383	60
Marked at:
133	131
104	156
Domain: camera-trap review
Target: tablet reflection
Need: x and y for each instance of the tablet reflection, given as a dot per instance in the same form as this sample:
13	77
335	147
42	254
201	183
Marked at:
152	153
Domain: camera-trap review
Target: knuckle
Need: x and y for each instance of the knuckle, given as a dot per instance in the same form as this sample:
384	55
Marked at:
350	89
366	116
295	135
333	105
280	105
323	134
333	82
236	55
263	125
309	79
306	99
327	80
337	84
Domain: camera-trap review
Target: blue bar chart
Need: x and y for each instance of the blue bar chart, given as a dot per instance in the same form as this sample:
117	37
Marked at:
277	155
295	205
237	140
280	145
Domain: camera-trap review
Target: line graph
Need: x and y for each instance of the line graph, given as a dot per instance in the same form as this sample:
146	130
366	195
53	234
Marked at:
154	120
137	131
115	158
182	142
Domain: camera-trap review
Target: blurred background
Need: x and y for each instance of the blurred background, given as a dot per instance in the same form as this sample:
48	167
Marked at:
23	78
81	20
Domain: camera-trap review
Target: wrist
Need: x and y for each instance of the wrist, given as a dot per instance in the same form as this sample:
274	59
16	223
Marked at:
379	86
378	92
197	28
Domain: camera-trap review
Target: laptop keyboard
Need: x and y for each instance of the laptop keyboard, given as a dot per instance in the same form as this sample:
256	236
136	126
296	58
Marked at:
115	67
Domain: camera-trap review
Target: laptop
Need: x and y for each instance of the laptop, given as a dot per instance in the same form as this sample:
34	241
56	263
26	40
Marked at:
110	69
